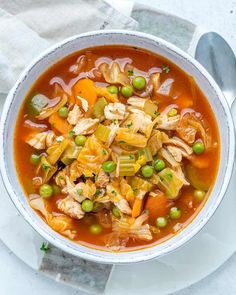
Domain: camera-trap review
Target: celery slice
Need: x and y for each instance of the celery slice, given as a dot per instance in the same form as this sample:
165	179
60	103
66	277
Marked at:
125	165
147	153
98	109
102	133
170	183
71	153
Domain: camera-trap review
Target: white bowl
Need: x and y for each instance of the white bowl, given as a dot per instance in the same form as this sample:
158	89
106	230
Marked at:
153	44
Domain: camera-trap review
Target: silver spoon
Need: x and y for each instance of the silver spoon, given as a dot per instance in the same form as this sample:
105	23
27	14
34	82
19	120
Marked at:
215	54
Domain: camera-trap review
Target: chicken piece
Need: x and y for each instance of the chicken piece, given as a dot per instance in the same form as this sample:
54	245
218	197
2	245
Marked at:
102	179
62	224
115	111
79	191
70	207
168	123
50	138
137	102
156	141
84	103
38	204
133	228
114	127
138	121
165	87
177	153
181	175
115	197
74	115
168	157
181	144
41	140
85	126
61	177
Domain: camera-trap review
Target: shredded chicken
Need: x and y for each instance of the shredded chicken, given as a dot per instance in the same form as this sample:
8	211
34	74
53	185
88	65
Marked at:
84	103
116	197
102	179
79	191
177	153
166	122
70	207
133	228
137	102
86	126
168	157
115	111
138	121
74	115
41	140
181	175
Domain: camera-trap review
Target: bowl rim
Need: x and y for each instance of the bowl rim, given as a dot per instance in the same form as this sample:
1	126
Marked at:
98	257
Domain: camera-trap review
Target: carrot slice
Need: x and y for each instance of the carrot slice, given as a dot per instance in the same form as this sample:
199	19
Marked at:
86	89
137	207
59	123
202	161
157	205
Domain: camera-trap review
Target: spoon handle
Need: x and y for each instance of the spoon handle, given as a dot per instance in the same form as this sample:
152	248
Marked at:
215	54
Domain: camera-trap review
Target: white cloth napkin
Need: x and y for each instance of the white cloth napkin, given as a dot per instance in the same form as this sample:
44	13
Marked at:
29	26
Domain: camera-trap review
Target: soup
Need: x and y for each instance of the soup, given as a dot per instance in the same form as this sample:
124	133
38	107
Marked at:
116	148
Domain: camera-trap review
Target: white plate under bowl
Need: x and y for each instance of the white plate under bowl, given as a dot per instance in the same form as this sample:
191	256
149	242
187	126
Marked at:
187	265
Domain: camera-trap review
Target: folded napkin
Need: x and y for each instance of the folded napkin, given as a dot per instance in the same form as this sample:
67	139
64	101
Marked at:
30	26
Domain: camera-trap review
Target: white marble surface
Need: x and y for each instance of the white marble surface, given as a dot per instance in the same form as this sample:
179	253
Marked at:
17	278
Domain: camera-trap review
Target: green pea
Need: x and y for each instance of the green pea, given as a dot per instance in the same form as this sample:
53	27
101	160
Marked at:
116	212
126	91
147	171
198	148
45	191
161	222
87	205
139	83
199	195
159	165
56	189
172	112
63	112
80	140
35	159
175	213
113	89
108	166
95	229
